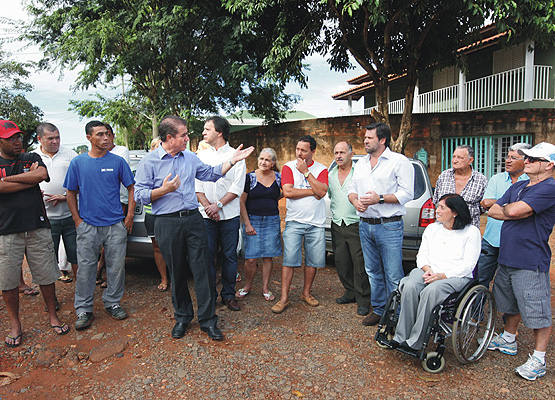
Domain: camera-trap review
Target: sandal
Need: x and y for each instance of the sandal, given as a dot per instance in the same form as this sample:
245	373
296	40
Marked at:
238	277
14	340
30	291
241	293
100	281
268	296
64	328
65	279
104	285
162	287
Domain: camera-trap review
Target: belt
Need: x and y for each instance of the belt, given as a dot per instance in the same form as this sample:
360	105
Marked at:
180	214
378	221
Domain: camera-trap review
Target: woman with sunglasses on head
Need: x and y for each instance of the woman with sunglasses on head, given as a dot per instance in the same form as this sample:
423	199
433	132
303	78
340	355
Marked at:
261	222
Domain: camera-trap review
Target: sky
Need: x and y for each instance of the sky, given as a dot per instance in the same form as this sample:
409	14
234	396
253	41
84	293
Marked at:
52	91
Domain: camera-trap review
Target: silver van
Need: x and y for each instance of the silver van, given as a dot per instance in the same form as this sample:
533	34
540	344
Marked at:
420	211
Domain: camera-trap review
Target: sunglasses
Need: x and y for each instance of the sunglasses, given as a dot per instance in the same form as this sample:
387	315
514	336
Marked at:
13	138
535	159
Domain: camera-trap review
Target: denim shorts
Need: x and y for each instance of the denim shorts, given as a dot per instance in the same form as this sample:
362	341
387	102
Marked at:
314	245
267	241
524	292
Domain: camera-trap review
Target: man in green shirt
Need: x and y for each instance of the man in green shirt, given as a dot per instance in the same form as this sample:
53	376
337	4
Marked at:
349	260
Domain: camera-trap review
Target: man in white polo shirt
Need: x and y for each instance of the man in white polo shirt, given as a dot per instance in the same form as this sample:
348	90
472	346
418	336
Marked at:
305	183
57	159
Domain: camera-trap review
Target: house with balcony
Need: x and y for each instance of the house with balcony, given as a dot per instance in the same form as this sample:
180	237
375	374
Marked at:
498	78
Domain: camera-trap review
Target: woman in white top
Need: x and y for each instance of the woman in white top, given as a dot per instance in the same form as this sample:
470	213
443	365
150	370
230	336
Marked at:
447	256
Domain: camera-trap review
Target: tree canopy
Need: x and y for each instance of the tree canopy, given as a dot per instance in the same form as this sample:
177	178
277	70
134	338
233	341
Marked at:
13	103
386	37
188	58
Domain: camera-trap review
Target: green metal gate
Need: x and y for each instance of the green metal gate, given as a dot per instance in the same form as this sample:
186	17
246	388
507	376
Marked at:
489	151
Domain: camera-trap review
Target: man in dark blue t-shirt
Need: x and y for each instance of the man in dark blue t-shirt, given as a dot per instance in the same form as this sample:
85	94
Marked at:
521	288
97	176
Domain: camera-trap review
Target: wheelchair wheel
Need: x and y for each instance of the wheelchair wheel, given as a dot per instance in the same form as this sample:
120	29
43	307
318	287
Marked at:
433	363
474	324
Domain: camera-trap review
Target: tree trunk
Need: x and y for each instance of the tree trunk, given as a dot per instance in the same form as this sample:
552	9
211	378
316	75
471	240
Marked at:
405	129
154	121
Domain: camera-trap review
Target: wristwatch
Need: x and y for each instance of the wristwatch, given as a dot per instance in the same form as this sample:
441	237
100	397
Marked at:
306	174
219	205
382	200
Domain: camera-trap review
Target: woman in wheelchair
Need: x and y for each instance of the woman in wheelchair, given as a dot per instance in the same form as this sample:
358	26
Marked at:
446	259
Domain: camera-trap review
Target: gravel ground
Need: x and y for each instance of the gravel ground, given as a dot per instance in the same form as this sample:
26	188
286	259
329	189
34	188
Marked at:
313	353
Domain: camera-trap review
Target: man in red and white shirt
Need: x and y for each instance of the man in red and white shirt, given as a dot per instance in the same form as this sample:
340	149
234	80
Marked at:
304	183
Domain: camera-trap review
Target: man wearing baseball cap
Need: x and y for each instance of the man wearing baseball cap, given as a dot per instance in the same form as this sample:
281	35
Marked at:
24	230
521	288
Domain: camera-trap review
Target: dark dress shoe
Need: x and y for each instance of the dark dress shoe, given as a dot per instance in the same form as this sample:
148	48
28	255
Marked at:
213	332
344	300
371	320
178	330
361	310
232	304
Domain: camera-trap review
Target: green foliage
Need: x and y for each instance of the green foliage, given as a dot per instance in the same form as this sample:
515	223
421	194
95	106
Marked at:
384	36
13	103
181	57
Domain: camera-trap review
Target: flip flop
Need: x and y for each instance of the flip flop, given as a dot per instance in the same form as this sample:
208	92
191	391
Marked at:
65	279
100	281
238	277
162	287
61	328
14	344
104	285
268	296
30	291
241	293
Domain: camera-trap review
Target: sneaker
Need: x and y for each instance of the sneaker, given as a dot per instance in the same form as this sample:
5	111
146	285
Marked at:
531	369
84	320
499	343
116	312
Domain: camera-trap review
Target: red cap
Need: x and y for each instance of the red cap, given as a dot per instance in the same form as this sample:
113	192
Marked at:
8	129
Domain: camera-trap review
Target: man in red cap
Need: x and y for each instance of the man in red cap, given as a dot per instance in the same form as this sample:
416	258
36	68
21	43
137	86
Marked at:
24	229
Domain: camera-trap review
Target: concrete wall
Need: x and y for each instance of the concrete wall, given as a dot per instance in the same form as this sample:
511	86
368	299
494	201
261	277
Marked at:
428	130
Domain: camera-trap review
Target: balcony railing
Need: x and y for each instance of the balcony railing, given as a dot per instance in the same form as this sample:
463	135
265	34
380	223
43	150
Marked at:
495	90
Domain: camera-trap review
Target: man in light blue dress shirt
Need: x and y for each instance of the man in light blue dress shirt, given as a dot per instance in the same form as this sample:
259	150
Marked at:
497	186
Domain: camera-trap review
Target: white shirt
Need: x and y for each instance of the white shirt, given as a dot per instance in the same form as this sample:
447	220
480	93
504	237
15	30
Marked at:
57	167
452	252
393	174
232	182
123	152
306	210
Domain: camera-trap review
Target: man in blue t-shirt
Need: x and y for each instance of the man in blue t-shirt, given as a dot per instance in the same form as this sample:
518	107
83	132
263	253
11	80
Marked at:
521	288
99	221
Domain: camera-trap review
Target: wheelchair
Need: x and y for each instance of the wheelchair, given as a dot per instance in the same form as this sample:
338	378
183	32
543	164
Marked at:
468	317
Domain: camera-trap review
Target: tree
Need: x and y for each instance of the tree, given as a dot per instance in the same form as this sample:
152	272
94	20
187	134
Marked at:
187	58
386	37
13	103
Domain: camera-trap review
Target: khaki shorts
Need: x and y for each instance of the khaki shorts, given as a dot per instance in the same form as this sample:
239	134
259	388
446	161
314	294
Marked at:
39	248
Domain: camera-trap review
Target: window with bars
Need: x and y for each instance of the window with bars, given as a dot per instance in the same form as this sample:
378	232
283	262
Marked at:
489	151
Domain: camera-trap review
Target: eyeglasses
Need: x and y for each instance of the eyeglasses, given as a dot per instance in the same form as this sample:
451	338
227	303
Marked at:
534	159
13	138
513	158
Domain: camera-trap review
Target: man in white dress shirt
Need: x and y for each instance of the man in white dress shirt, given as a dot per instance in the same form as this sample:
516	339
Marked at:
220	205
383	182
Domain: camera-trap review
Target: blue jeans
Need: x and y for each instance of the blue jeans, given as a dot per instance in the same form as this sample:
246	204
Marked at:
382	246
65	228
487	263
226	234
